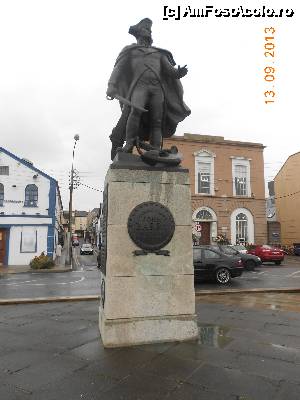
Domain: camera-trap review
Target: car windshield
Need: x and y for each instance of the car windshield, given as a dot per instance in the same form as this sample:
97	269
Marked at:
87	245
265	246
228	250
240	247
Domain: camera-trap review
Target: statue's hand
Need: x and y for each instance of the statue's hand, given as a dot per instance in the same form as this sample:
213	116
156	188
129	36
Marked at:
182	71
111	92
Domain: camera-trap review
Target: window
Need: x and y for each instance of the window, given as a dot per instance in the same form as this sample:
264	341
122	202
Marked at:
240	180
204	172
28	241
31	196
229	250
204	178
211	254
197	254
203	215
241	228
1	194
4	170
241	177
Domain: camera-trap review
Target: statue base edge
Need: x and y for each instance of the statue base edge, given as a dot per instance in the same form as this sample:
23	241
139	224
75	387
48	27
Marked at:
128	332
132	161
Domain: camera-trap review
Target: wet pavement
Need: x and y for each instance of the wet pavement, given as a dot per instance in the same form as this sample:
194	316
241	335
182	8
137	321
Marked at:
248	349
264	277
83	280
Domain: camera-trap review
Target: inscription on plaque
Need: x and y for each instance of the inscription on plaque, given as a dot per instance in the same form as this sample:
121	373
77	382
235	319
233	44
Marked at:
151	226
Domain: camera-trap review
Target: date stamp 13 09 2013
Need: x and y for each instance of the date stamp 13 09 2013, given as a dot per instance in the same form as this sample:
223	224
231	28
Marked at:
269	69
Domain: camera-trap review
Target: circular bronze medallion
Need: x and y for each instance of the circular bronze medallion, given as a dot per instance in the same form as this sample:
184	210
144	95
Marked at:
151	226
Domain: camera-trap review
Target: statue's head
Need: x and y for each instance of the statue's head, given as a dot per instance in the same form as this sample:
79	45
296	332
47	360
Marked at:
142	30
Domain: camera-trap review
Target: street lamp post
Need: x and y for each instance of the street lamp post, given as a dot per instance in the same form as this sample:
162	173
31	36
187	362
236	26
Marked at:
76	138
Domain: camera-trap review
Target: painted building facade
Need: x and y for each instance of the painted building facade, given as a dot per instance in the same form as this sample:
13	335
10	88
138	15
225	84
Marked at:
287	200
227	185
30	211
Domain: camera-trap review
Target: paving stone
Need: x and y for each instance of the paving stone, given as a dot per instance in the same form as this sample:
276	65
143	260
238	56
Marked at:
234	382
8	392
288	391
81	368
170	367
121	364
39	374
269	368
92	351
187	391
282	329
207	354
265	350
82	384
18	360
140	386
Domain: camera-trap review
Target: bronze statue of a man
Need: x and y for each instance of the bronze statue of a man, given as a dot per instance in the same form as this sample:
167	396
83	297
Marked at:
148	87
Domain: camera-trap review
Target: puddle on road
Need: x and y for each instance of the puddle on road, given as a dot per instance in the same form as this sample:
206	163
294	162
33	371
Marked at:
271	301
214	335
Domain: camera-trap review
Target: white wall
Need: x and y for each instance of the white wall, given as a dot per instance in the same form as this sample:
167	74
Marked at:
18	258
21	176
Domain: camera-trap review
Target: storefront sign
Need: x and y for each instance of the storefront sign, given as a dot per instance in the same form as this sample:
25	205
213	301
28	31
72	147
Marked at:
13	201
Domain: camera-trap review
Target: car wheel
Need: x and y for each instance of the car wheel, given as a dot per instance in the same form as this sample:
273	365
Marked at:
250	265
222	276
277	262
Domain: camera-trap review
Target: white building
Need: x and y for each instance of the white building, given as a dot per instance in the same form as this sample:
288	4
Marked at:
30	211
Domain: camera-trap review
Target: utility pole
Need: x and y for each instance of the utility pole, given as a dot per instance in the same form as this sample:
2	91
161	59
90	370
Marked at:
76	138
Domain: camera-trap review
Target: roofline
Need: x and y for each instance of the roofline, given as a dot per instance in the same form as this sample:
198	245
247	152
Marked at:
191	137
292	155
20	160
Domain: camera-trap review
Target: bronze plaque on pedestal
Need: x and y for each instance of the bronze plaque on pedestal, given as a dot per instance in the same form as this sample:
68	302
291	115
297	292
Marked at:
151	226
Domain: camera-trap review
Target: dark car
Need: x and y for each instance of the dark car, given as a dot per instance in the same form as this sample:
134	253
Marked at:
86	248
249	261
267	253
213	264
75	242
297	249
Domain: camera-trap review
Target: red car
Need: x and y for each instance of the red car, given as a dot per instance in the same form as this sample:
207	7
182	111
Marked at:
267	253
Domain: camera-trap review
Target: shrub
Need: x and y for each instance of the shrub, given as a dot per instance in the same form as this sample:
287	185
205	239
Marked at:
41	262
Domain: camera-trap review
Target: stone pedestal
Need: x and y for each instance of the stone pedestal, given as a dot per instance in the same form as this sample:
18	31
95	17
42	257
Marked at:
147	298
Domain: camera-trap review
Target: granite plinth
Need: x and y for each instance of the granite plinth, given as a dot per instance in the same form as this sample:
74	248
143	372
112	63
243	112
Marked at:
148	298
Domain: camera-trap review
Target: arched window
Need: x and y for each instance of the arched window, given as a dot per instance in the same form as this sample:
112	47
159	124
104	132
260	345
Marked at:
241	223
1	194
31	196
204	214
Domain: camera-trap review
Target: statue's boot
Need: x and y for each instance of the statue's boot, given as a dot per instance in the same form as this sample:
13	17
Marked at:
128	146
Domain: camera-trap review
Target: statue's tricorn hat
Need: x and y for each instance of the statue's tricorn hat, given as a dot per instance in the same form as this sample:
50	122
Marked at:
135	30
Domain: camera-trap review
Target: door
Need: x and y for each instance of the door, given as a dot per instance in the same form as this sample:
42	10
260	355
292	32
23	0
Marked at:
2	246
205	233
211	260
200	268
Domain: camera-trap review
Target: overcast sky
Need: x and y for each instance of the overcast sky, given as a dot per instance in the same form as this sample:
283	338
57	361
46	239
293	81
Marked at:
57	56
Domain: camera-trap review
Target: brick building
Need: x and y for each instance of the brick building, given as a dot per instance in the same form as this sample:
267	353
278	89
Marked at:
227	185
287	199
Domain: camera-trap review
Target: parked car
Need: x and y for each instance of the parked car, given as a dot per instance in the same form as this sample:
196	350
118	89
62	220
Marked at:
240	248
249	261
75	242
86	248
213	264
267	253
297	249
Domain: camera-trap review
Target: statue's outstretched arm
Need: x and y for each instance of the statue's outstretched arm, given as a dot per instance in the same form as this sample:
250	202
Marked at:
176	73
